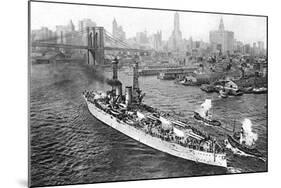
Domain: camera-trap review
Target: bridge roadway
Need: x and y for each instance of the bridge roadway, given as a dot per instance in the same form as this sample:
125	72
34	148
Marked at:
69	46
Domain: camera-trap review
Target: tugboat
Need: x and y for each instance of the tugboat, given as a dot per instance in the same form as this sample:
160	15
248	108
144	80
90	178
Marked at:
167	133
203	114
237	140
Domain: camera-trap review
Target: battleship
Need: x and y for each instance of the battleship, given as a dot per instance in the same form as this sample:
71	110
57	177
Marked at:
162	131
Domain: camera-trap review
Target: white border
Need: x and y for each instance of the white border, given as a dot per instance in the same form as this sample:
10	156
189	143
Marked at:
13	95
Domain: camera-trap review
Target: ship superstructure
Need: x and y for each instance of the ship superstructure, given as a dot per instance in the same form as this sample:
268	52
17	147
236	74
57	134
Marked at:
162	131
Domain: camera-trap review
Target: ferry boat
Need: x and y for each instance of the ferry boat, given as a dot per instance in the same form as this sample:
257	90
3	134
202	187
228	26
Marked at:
130	116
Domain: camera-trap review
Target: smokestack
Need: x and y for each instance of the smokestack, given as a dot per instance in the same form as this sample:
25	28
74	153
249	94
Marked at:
128	95
135	78
119	90
114	69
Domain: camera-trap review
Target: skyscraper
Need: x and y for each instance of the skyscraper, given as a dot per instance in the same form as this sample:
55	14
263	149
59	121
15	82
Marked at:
156	40
261	48
175	41
83	24
117	31
222	40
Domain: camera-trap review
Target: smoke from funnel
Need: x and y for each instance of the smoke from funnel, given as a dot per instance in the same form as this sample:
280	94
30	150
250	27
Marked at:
112	82
205	107
248	135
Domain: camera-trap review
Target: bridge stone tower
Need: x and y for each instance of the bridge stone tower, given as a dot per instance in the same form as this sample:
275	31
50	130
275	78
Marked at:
95	40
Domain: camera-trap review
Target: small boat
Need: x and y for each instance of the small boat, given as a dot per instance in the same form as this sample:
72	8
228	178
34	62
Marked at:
206	120
259	90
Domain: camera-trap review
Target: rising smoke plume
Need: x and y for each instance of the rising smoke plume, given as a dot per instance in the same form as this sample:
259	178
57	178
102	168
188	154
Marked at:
248	136
113	82
205	107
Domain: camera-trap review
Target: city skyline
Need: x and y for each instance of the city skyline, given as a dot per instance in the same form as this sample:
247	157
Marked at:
195	25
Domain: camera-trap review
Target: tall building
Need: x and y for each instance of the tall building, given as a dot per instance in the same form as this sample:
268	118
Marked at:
175	42
82	27
83	24
238	46
63	30
71	26
246	49
254	49
42	34
117	31
142	38
155	40
222	40
261	48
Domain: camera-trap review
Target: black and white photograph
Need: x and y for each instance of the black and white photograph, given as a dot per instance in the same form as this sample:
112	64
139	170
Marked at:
120	93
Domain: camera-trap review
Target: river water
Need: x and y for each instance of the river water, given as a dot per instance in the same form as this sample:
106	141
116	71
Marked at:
69	146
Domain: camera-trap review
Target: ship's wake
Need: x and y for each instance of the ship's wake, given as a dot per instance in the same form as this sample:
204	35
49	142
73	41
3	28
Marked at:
234	170
236	151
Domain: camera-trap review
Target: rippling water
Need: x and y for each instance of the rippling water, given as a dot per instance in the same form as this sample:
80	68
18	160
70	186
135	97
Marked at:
69	146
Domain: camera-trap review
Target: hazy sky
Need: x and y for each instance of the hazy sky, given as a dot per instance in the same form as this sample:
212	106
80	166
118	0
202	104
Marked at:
247	29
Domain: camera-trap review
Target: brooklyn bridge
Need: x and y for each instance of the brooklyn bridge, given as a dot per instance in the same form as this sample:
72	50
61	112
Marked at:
96	41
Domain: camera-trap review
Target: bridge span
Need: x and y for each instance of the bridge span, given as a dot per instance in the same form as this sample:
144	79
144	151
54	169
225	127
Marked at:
97	41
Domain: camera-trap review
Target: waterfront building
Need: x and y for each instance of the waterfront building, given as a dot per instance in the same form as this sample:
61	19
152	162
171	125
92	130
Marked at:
117	31
222	40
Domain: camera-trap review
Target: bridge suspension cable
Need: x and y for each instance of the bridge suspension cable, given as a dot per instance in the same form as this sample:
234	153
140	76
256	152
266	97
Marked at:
115	42
116	39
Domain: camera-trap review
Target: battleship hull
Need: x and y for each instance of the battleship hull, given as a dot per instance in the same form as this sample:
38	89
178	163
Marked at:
174	149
